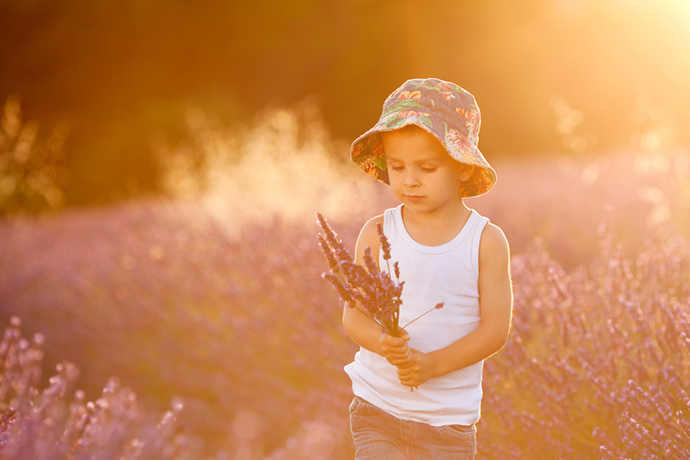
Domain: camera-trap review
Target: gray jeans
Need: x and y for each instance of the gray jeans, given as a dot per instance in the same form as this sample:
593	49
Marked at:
380	436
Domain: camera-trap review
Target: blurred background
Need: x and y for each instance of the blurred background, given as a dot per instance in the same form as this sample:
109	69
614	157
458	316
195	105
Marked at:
574	76
161	163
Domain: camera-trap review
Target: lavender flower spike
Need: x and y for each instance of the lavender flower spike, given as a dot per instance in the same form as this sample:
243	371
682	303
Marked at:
437	307
328	252
385	245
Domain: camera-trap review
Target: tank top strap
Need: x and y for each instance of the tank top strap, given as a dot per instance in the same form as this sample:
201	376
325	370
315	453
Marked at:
476	232
389	218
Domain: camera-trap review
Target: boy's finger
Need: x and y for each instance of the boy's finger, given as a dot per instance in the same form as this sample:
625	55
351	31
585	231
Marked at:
392	341
398	341
401	359
398	346
399	354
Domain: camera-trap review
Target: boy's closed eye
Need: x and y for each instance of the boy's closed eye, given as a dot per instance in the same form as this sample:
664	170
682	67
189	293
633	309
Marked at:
426	169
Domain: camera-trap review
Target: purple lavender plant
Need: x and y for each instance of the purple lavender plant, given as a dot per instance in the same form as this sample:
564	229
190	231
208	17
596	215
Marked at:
366	288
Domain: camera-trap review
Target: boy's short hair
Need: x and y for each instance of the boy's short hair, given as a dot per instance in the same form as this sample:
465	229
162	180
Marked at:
442	109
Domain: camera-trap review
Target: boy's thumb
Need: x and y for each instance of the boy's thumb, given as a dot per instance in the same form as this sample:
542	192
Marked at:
404	335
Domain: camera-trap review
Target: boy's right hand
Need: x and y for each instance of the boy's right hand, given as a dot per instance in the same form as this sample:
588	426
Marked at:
395	349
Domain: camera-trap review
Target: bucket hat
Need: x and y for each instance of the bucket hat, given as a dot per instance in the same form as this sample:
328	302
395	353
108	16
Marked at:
444	110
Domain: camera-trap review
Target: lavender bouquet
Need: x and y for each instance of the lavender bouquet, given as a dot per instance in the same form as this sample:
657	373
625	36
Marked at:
366	288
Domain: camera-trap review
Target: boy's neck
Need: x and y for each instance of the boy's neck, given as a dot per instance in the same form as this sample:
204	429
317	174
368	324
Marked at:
435	228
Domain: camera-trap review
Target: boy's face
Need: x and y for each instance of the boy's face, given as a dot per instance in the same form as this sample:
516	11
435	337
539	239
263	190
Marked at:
421	173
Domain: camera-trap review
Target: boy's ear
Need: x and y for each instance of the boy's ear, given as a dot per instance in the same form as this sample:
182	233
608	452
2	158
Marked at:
466	172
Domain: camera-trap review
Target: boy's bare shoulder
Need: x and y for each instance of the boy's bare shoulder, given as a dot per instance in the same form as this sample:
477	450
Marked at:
370	225
368	235
493	242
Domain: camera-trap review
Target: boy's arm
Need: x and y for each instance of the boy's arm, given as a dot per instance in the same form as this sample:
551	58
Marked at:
495	303
365	332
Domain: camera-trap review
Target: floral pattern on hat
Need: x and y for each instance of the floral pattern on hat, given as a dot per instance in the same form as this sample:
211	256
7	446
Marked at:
444	110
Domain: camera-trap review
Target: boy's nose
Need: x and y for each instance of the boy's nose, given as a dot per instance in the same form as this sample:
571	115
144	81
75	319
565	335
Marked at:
411	180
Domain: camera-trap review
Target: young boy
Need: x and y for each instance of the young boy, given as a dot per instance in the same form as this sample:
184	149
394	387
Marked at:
419	396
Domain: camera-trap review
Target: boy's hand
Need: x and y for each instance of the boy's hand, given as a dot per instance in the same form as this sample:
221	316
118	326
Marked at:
419	369
395	349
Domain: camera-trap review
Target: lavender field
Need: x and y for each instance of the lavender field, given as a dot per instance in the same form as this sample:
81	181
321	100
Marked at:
198	326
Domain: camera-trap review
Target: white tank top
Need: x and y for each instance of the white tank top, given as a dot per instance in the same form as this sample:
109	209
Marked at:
448	273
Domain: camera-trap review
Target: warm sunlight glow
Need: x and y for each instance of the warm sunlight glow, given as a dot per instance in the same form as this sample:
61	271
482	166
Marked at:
682	7
162	288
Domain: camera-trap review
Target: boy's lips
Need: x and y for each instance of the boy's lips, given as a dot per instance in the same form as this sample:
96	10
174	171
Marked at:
414	197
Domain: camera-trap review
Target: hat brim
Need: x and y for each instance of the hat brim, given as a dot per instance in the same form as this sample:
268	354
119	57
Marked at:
368	154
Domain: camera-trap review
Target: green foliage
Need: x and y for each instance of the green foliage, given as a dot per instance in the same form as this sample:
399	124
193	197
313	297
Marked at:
31	169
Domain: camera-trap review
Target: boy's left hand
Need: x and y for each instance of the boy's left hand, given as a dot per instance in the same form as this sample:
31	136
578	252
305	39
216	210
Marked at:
395	349
420	368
